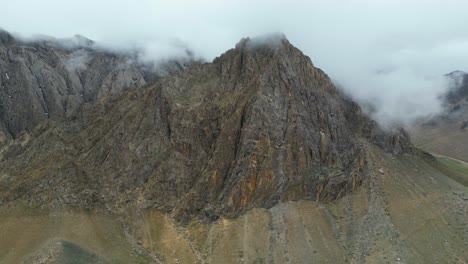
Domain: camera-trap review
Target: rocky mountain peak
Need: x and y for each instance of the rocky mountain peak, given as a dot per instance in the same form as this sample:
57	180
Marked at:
263	59
272	41
258	126
271	46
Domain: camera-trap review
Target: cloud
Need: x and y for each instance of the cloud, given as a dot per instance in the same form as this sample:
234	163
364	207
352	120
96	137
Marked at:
152	55
77	61
389	53
396	96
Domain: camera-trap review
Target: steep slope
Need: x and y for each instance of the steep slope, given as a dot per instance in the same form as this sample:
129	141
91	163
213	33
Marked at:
51	79
447	133
257	126
411	213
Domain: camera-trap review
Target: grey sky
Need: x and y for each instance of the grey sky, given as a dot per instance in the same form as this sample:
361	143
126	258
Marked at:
390	52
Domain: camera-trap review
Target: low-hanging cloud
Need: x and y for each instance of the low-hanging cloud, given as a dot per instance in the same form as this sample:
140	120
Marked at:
149	53
398	96
389	54
78	60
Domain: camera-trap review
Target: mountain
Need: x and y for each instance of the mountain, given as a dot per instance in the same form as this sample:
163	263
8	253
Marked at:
255	157
50	79
257	126
446	133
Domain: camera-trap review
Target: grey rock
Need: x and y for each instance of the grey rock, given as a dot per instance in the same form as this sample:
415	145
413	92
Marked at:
48	80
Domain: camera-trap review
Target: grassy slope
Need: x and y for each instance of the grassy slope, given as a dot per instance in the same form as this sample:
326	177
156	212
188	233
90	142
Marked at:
448	140
25	233
456	169
413	213
449	144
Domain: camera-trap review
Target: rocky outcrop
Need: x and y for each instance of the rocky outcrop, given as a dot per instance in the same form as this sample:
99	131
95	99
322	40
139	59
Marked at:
393	140
48	79
257	126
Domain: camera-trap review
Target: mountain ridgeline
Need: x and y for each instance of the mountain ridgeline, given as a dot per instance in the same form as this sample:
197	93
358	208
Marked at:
50	79
257	126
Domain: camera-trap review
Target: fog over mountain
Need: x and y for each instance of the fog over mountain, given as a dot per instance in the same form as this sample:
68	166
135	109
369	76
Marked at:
384	56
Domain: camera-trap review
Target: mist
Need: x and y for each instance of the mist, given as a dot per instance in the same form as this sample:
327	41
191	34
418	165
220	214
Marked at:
148	54
388	55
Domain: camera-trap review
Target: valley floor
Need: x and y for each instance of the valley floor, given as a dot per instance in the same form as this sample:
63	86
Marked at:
448	140
410	213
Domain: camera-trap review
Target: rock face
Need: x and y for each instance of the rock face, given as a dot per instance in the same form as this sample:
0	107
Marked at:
257	126
45	80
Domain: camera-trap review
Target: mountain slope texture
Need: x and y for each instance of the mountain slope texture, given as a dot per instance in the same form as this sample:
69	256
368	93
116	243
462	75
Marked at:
253	158
51	79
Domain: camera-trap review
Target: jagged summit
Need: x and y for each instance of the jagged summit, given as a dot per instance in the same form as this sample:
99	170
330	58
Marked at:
261	56
272	40
267	46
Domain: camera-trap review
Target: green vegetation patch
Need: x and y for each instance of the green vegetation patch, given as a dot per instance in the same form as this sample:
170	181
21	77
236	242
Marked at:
455	169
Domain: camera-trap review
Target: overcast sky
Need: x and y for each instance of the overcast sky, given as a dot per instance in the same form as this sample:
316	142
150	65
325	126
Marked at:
390	52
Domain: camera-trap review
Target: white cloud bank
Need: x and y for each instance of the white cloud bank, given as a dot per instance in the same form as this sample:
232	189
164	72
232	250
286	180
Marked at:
390	53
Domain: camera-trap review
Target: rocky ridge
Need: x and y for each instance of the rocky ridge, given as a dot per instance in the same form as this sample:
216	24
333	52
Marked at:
257	126
50	79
